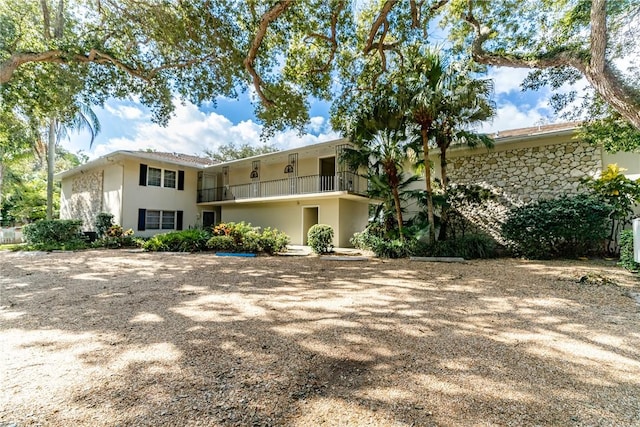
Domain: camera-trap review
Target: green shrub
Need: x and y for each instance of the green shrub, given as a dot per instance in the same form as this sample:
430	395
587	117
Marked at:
470	246
103	222
243	237
116	237
55	234
562	227
382	247
193	240
320	238
626	251
273	241
221	243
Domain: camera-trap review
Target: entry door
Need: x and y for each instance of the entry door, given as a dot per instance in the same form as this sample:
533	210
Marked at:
327	173
208	219
309	219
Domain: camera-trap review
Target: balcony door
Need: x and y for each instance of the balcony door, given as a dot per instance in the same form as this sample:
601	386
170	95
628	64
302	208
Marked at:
327	168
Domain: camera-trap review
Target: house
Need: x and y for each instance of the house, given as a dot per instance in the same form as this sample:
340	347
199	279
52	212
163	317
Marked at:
157	192
148	192
294	189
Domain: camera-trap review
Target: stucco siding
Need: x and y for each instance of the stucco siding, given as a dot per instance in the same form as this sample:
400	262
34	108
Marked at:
287	216
353	219
136	196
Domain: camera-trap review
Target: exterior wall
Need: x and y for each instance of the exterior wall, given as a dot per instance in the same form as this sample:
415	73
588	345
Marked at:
136	196
353	218
529	173
520	172
112	192
82	197
287	216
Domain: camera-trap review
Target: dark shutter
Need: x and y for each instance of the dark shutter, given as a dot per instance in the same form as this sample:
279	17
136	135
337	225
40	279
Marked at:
179	216
143	175
142	216
180	180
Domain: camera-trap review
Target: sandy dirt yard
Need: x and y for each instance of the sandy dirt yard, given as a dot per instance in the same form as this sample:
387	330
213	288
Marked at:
117	338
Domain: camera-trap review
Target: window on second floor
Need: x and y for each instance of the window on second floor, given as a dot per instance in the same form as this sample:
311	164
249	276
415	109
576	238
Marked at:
157	177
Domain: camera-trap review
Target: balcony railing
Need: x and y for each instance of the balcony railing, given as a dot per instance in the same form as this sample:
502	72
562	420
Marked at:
342	181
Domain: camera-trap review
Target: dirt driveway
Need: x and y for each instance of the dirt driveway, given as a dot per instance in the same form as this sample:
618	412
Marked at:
118	338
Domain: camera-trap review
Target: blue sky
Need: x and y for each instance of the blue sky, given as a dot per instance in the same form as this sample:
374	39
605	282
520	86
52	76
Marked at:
126	124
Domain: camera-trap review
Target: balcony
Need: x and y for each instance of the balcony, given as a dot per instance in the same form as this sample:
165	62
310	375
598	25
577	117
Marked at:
342	181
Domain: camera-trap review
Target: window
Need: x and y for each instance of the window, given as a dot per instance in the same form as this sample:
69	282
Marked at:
153	220
157	177
149	219
154	177
168	220
169	179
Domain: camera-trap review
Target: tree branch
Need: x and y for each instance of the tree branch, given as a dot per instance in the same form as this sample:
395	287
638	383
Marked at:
332	40
379	21
600	74
266	19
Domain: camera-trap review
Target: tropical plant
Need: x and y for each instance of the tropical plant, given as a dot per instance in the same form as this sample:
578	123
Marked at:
620	193
378	130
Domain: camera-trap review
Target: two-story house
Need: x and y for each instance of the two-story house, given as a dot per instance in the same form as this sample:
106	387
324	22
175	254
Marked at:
152	192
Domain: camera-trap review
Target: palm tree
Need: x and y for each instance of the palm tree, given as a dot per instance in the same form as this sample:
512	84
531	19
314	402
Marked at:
466	103
57	129
379	133
422	95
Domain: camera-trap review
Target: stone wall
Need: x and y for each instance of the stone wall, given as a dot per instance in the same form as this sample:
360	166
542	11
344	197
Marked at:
86	198
521	175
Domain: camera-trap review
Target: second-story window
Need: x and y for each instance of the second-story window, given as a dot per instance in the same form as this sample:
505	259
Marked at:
158	177
169	179
161	178
154	177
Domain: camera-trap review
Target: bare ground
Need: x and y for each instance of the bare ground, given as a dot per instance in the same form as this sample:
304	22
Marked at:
117	338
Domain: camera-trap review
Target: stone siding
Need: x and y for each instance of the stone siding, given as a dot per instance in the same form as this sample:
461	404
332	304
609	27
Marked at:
86	198
521	175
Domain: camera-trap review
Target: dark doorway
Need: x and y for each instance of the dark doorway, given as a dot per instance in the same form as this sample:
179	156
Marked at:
208	219
327	173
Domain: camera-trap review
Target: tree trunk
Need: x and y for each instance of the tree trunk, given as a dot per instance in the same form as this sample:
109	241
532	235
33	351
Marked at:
394	181
51	158
1	181
444	214
427	178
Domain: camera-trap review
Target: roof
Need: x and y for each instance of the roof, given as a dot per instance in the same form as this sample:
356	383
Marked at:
179	159
536	130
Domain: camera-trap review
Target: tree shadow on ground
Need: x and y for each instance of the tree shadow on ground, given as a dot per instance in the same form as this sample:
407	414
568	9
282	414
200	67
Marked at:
106	337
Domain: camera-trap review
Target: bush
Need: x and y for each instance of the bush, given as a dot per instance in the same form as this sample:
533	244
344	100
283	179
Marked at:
55	234
563	227
116	237
382	247
320	238
470	246
626	251
103	222
243	237
221	243
193	240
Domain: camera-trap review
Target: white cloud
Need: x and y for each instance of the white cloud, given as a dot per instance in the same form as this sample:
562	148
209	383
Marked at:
192	131
510	117
125	112
507	79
